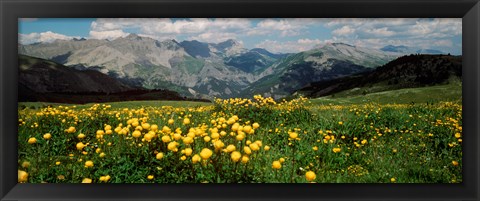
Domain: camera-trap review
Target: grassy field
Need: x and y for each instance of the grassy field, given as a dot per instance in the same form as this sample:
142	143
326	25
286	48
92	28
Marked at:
450	92
376	138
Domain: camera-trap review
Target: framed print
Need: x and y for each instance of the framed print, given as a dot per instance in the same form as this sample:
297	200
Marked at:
239	100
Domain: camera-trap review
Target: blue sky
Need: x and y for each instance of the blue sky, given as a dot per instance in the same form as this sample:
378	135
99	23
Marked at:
276	35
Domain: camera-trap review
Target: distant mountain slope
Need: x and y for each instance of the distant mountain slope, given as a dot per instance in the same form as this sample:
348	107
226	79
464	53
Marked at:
404	72
182	67
43	76
196	48
200	70
255	60
43	80
327	62
409	50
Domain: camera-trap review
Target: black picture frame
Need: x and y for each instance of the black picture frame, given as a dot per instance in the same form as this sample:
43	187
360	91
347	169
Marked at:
11	10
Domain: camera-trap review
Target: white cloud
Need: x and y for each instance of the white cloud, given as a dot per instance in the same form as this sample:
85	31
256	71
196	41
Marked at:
214	37
282	27
299	45
306	41
381	32
345	30
166	25
110	35
444	43
44	37
413	32
165	28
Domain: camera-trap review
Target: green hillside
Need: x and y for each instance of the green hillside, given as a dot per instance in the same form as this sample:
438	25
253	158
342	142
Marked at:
448	92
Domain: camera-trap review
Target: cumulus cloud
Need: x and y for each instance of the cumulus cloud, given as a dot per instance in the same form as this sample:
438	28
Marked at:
345	30
380	32
165	28
282	27
44	37
413	32
214	37
444	43
299	45
110	34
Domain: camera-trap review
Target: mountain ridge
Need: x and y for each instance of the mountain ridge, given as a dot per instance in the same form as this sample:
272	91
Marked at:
197	69
405	72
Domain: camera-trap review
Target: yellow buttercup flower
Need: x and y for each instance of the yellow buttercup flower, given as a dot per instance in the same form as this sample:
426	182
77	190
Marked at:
245	159
172	146
71	129
166	139
293	135
87	181
26	164
393	180
88	164
240	137
247	129
188	140
159	156
32	140
247	150
150	177
146	126
188	151
230	148
310	176
22	176
100	132
254	147
196	158
336	149
186	121
149	136
235	156
454	163
206	153
218	145
276	165
47	136
255	125
80	146
136	134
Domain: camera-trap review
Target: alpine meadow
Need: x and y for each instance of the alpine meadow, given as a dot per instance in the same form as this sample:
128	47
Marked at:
126	100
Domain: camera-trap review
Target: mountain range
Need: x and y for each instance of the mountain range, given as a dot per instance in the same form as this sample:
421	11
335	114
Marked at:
47	81
409	50
205	70
408	71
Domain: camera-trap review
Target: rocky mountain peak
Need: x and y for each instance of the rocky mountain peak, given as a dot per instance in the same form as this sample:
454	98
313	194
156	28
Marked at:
133	36
228	44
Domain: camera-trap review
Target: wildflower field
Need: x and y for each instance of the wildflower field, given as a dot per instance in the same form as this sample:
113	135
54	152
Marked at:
240	141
